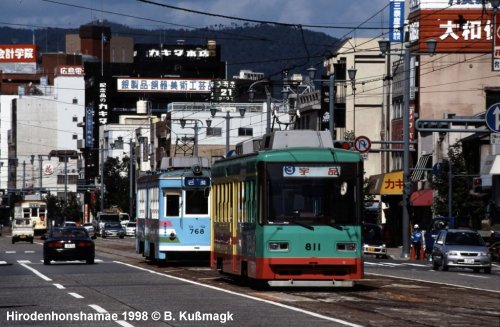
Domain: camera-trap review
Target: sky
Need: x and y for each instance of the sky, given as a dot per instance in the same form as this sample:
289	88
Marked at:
341	16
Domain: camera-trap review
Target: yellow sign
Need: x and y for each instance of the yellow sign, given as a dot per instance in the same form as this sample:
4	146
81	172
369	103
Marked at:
387	184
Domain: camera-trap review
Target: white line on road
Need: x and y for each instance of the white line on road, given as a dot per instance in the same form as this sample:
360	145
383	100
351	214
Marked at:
59	286
415	264
23	261
29	252
75	295
10	252
314	314
124	323
36	272
98	308
477	276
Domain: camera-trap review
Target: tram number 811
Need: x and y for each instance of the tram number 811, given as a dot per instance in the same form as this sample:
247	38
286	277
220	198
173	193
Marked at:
313	247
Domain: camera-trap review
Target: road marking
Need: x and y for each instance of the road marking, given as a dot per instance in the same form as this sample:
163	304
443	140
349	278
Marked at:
124	323
98	308
24	261
477	276
36	272
431	282
415	264
29	252
3	262
59	286
10	252
76	295
314	314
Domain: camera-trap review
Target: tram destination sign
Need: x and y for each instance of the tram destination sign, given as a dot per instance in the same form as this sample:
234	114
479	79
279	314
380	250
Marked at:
308	171
196	181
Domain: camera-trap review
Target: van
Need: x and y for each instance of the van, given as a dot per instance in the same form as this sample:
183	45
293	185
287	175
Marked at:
22	230
103	218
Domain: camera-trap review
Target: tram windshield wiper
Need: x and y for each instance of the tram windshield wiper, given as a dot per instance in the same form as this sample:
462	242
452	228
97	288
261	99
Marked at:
303	225
336	226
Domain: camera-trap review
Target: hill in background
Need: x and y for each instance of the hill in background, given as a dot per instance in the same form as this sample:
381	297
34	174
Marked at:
262	48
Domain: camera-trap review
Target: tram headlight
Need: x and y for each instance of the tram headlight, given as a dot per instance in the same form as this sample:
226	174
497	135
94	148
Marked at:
277	246
172	236
351	247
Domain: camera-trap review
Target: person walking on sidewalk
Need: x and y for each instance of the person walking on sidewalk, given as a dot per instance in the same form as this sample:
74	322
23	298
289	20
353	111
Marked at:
417	240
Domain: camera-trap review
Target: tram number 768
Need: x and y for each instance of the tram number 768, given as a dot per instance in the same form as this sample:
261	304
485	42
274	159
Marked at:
313	247
197	231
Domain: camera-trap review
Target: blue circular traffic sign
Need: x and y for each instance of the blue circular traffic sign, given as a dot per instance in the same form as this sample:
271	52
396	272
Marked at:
492	117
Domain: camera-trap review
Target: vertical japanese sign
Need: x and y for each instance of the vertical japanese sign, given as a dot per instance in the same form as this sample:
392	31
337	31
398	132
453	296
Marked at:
496	43
89	127
396	20
102	104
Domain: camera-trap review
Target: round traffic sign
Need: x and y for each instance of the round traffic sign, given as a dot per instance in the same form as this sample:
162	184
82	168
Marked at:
362	144
492	117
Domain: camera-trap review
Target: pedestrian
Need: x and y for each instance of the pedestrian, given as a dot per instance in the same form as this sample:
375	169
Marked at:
416	240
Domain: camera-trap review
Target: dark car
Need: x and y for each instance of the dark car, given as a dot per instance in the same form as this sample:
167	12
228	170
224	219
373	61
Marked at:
373	242
68	243
113	229
495	251
460	248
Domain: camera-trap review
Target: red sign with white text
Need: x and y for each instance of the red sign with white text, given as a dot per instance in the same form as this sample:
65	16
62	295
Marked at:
17	53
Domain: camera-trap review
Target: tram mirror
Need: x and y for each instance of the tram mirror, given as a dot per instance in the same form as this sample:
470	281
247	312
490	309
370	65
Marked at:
343	188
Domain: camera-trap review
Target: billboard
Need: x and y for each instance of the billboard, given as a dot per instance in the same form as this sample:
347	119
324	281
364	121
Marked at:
12	53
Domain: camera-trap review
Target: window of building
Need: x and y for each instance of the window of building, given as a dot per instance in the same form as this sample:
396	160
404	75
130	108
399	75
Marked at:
75	101
75	137
75	119
72	179
245	131
214	131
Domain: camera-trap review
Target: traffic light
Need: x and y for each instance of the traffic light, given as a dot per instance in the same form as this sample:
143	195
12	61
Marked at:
346	145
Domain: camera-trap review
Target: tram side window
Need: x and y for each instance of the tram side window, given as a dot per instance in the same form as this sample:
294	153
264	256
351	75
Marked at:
172	202
196	202
27	213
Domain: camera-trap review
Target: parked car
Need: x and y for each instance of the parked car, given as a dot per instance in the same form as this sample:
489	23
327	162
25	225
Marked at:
68	243
130	229
373	243
461	248
89	227
113	229
494	250
70	224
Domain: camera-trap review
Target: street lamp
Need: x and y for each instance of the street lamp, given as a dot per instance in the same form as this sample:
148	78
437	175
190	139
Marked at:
384	46
213	112
251	96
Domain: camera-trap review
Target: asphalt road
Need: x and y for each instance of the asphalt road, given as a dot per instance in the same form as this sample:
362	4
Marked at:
123	283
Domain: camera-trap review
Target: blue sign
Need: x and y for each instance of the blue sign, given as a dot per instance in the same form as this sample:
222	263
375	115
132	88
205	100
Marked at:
396	20
492	118
89	127
196	181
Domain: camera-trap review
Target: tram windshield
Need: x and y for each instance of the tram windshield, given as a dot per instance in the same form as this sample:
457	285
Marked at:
311	200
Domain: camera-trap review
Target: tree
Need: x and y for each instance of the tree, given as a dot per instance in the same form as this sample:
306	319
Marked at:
116	179
466	208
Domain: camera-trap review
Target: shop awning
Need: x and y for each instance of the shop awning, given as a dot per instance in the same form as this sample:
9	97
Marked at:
386	184
421	198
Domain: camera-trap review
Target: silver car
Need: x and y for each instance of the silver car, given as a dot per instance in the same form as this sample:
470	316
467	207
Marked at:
461	248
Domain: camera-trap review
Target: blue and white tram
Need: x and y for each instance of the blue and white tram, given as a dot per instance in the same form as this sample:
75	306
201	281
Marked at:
173	212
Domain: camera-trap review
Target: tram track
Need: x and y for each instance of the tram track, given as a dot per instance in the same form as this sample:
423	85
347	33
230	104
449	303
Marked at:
377	301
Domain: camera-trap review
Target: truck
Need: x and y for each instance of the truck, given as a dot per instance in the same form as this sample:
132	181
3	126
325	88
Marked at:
22	230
